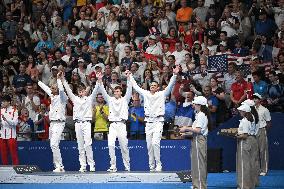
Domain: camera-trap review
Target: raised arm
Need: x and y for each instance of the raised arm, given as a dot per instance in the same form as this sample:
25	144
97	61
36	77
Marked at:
44	87
61	92
168	89
102	88
69	91
135	86
128	93
94	92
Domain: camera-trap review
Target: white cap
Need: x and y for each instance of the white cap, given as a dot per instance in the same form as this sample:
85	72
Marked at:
116	6
244	108
152	37
257	95
201	100
54	67
254	58
81	60
248	102
196	42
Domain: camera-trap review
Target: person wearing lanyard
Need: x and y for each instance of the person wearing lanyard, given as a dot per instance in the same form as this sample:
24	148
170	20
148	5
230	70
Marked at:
264	123
8	122
118	114
199	132
57	119
154	107
82	116
245	153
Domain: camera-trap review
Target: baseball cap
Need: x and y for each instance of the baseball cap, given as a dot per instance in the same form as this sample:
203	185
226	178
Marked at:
244	108
54	68
152	37
248	102
256	95
201	100
92	75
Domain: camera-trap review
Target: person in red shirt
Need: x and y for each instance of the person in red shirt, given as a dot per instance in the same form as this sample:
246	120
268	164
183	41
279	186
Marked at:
239	89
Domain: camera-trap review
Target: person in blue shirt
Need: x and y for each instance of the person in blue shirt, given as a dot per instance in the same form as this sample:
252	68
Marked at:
259	86
170	111
213	104
136	119
44	44
265	26
95	42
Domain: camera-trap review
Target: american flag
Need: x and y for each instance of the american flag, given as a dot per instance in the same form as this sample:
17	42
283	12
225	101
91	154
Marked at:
243	63
218	63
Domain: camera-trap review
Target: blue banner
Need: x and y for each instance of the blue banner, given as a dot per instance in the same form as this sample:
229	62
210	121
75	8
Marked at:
174	155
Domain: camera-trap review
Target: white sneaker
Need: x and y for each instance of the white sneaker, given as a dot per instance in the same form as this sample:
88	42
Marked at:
92	169
82	169
262	174
158	168
127	169
152	169
59	170
112	169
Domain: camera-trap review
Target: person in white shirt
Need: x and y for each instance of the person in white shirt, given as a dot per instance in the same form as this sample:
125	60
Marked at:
264	123
8	122
31	102
82	24
111	26
245	156
154	107
82	116
199	132
154	48
179	54
57	111
118	114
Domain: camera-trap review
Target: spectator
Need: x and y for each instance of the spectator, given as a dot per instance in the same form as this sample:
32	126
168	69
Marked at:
184	13
25	126
179	54
136	119
44	44
9	27
264	26
31	102
21	80
239	89
58	31
213	104
100	117
200	12
259	86
275	93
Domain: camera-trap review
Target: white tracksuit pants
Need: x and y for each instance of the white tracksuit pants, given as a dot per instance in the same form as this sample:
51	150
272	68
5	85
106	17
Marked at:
263	149
55	131
118	130
153	138
84	140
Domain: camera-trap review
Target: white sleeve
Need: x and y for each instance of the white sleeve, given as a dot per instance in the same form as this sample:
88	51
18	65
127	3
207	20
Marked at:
168	89
44	87
69	91
267	115
14	121
94	92
62	94
104	93
136	87
128	93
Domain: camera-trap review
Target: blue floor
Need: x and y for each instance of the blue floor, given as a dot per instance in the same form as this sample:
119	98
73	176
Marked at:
275	180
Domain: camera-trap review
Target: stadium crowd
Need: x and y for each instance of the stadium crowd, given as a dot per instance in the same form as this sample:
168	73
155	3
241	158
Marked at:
39	38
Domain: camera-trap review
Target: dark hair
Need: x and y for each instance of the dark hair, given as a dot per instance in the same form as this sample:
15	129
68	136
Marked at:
249	116
255	114
206	111
81	86
173	56
273	73
256	73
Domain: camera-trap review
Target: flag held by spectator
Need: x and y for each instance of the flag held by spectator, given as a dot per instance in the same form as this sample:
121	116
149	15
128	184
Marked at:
218	63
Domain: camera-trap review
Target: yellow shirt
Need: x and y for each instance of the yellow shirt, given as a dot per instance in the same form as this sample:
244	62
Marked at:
81	3
101	125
